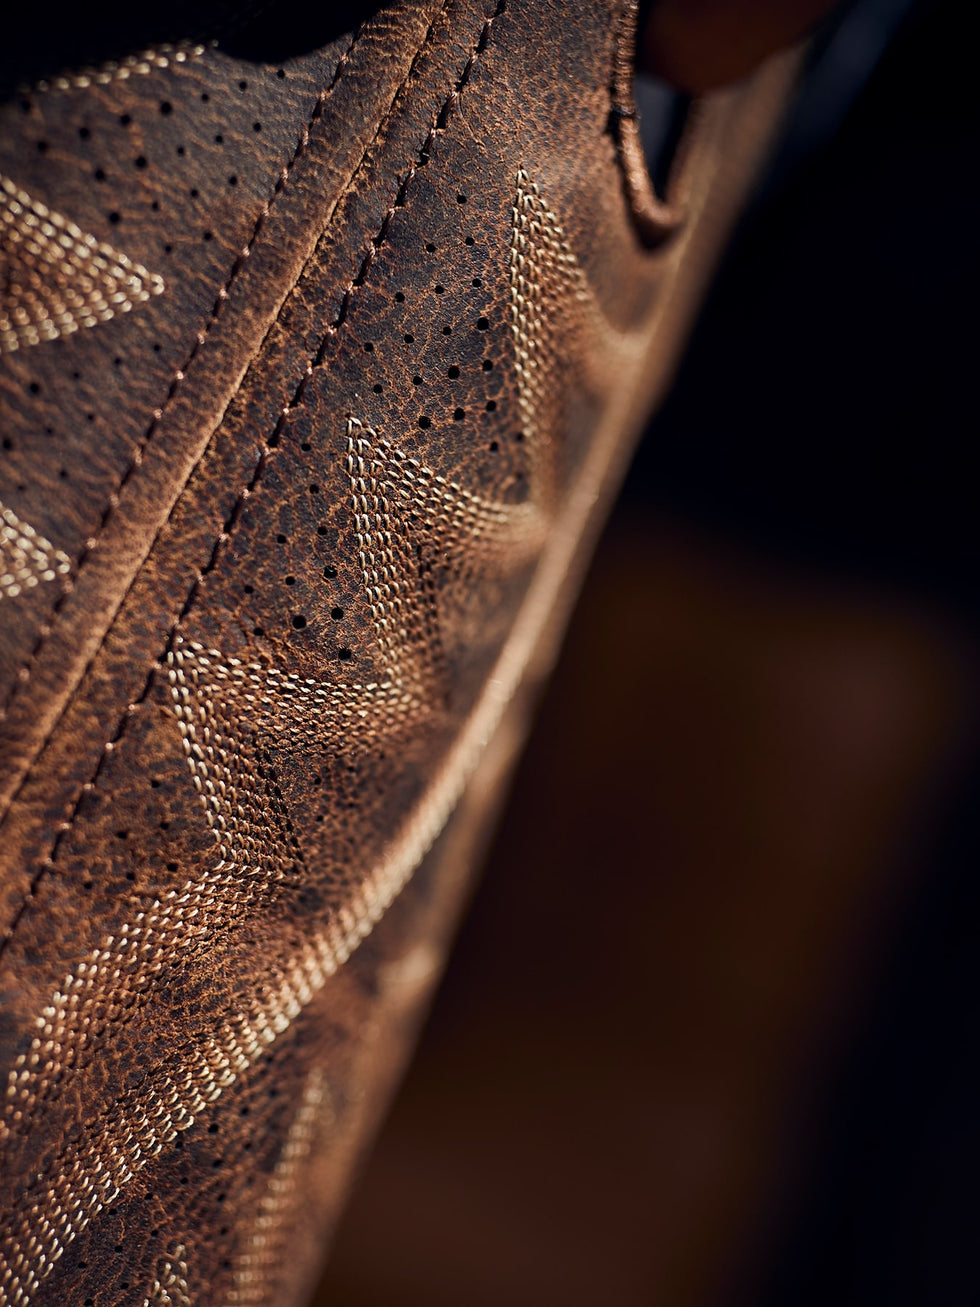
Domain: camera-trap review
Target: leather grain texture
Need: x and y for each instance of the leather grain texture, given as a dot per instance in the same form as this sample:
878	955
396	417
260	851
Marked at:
317	377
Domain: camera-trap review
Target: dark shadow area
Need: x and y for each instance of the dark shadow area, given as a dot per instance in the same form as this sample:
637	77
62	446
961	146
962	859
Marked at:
708	1036
86	36
824	407
889	1209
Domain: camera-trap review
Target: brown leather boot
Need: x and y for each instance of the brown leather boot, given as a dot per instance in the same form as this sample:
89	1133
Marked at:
317	377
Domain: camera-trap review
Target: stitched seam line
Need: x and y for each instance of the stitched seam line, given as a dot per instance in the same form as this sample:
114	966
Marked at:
101	643
439	123
23	676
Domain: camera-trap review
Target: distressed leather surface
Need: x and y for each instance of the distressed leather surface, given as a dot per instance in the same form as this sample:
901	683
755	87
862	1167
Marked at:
316	378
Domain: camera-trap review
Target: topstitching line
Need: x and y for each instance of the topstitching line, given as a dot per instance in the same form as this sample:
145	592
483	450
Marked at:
439	123
22	679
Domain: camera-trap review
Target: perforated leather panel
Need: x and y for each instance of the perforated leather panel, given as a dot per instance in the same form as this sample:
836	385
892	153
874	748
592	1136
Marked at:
316	377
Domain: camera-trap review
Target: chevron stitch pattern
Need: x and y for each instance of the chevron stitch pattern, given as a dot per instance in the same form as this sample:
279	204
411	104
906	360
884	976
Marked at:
26	558
55	278
221	705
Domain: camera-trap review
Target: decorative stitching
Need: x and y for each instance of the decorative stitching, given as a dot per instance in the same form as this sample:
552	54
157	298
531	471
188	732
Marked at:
26	558
24	673
30	1261
266	1247
439	123
133	65
88	1176
169	1289
167	1105
56	278
211	697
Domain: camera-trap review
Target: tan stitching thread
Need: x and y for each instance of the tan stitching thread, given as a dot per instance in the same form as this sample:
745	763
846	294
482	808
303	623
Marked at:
164	1105
27	1259
212	696
24	672
88	1176
268	1238
136	461
56	278
169	1289
26	558
133	65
